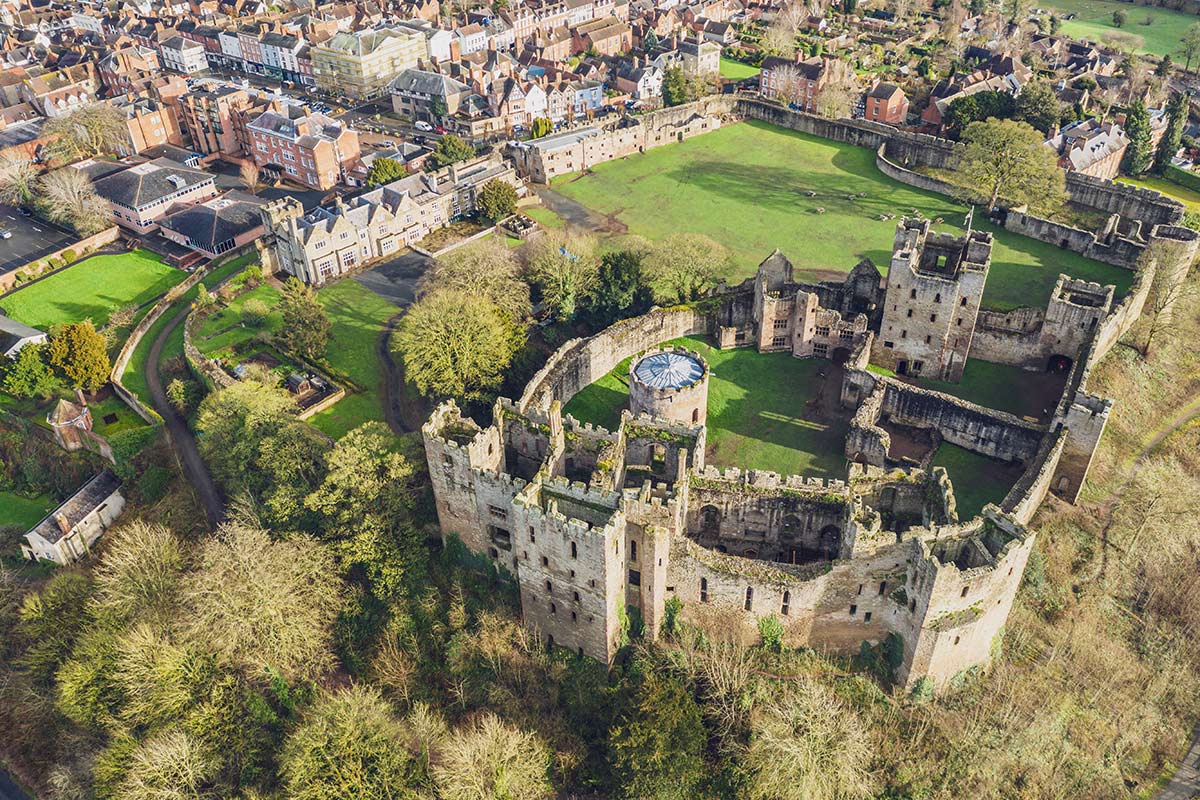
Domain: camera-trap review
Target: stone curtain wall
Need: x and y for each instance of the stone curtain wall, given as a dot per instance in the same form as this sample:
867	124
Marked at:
1119	252
580	362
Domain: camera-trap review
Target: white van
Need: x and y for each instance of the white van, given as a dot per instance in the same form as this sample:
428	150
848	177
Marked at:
422	125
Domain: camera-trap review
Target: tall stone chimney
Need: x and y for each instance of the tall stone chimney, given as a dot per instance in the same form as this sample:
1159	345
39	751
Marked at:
63	525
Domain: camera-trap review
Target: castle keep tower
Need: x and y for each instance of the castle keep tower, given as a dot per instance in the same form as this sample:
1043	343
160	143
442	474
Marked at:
935	285
671	384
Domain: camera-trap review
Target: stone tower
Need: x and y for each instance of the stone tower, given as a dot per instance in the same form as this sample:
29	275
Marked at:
279	232
670	383
935	285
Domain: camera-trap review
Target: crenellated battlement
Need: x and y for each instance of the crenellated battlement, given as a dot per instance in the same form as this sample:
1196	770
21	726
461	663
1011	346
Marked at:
765	479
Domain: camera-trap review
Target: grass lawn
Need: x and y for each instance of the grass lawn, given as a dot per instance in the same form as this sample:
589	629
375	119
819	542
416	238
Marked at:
1189	197
547	218
134	376
1003	387
93	288
18	509
1094	20
757	417
224	328
978	480
744	185
736	70
359	316
111	416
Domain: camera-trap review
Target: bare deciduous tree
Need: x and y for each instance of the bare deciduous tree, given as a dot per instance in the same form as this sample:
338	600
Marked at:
93	130
788	84
492	759
808	746
1168	289
251	176
261	603
780	36
70	198
18	180
836	97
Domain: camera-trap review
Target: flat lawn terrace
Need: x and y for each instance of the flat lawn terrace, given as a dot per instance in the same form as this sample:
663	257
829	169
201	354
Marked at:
1000	386
92	289
1094	20
766	411
978	480
745	185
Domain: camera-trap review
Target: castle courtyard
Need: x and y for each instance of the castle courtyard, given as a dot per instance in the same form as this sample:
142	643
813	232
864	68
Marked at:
766	411
747	186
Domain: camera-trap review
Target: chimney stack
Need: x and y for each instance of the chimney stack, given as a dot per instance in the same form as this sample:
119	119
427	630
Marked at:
63	525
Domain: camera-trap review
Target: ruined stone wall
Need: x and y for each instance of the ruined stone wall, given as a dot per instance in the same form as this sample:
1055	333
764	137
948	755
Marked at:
833	606
1030	490
958	613
1118	251
764	515
1131	202
579	362
570	571
970	426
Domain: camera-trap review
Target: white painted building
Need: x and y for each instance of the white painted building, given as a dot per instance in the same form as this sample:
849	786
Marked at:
69	531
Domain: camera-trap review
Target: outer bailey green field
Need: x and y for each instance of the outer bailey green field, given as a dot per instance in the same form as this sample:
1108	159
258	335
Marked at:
1094	21
744	185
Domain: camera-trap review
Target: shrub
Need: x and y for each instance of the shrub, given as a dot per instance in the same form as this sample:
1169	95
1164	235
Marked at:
68	255
771	631
254	312
922	690
671	610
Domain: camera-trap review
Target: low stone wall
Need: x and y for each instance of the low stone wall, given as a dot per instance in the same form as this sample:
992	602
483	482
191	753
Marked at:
580	362
1030	490
77	252
1132	202
899	173
1120	252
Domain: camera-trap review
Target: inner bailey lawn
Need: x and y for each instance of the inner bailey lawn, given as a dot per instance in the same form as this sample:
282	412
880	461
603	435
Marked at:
745	185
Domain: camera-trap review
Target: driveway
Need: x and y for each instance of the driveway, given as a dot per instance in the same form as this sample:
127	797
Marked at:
1185	783
31	239
396	280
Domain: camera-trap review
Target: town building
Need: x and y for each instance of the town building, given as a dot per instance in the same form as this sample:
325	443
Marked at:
216	225
15	335
1090	147
886	103
427	96
68	533
183	55
800	82
327	242
213	116
308	148
360	65
142	194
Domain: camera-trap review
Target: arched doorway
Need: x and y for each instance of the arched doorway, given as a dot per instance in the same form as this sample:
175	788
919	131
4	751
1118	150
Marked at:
710	519
830	543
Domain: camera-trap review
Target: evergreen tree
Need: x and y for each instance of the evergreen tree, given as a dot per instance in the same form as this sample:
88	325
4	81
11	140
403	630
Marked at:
27	375
622	289
1177	110
1137	130
385	170
81	353
658	747
674	88
497	199
305	329
449	150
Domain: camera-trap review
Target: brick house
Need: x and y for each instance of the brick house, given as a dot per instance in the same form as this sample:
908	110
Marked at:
886	103
311	149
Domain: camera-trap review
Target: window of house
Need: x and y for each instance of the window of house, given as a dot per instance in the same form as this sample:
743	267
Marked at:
497	511
912	294
889	345
549	588
779	341
963	302
635	578
704	590
822	330
964	591
853	610
545	561
532	535
867	617
787	598
574	550
882	587
909	313
633	550
903	334
917	366
749	598
821	350
933	317
780	324
937	298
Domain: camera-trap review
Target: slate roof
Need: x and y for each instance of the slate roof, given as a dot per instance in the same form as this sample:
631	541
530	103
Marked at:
217	220
13	332
78	506
143	184
419	81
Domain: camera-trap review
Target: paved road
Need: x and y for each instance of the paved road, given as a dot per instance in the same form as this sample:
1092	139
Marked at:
1185	783
182	439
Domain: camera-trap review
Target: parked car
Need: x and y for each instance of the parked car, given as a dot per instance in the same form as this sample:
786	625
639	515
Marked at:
5	234
422	125
440	129
24	212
